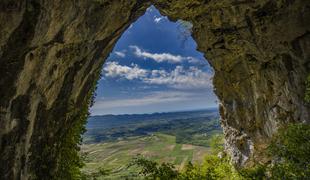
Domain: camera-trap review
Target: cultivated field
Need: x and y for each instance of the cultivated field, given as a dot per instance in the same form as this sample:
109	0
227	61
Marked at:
114	157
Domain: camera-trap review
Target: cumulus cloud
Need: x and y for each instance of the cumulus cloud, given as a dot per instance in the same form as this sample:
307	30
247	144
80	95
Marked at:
179	78
120	54
161	57
113	69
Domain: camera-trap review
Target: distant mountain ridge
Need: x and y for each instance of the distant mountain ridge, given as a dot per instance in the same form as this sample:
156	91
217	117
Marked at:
170	112
108	121
191	127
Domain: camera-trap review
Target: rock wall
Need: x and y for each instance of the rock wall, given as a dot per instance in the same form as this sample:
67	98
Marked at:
260	51
51	53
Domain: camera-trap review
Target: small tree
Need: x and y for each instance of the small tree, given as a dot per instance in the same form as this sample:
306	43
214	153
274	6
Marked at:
152	170
292	148
217	143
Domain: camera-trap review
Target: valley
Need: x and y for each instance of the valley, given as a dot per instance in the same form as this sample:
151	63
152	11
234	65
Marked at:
112	141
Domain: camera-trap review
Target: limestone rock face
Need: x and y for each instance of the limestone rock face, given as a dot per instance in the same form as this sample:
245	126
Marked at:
260	51
51	53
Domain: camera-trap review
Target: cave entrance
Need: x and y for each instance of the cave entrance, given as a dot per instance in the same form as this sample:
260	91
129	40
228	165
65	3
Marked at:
51	56
155	95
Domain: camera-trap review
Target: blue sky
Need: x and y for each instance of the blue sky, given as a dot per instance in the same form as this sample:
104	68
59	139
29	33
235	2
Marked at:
154	67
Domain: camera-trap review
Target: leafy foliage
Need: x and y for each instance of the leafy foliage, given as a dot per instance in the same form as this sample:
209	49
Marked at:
213	167
70	161
152	170
292	148
257	172
217	143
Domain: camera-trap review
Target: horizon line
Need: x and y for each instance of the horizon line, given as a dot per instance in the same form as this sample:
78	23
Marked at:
188	110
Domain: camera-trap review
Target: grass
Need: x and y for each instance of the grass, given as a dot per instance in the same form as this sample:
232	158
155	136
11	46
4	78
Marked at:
115	156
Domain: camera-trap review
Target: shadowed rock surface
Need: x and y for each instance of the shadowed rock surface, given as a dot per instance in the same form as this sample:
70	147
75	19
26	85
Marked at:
51	53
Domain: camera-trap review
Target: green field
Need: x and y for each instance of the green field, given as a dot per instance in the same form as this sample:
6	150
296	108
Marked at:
114	157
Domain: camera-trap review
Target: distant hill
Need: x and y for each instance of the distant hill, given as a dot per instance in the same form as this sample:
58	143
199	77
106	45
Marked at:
191	127
108	121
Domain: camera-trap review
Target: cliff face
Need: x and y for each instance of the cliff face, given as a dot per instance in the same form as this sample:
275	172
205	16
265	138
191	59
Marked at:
260	52
51	55
51	52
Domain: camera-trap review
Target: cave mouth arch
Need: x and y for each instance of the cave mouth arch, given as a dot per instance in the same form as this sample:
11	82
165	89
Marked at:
154	56
153	75
51	57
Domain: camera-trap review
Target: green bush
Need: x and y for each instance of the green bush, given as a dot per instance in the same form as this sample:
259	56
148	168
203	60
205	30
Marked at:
213	166
70	160
153	170
290	150
257	172
217	143
291	147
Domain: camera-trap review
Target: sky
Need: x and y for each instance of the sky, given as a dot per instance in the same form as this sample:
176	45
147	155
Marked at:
155	67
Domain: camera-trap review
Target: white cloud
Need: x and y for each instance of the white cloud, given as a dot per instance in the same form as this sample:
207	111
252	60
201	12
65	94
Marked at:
113	69
158	19
194	60
156	56
179	78
120	54
154	98
163	57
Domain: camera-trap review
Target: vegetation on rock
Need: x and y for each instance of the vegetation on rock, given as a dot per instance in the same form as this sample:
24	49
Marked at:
70	160
290	149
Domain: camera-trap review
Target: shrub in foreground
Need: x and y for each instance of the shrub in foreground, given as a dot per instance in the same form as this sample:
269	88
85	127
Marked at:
290	149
